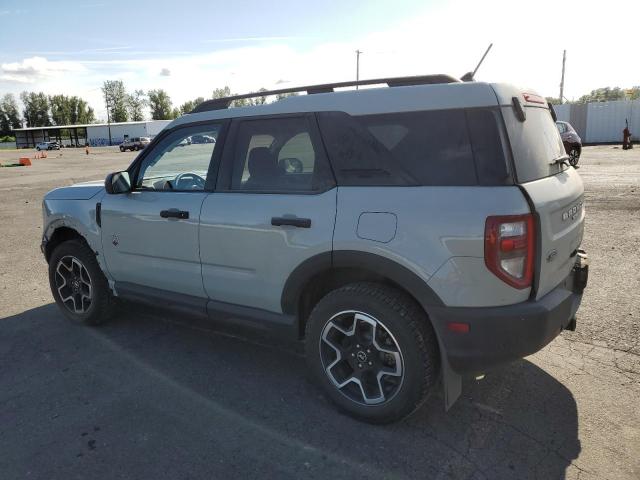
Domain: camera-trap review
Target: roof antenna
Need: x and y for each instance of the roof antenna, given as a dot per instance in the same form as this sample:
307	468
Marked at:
469	76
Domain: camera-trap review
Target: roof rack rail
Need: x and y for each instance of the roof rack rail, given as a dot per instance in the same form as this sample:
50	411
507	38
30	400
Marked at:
222	103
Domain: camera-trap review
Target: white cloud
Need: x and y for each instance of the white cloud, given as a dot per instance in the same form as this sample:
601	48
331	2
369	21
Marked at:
34	69
528	42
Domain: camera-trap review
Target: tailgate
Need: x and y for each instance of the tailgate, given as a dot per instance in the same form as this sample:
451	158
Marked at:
558	202
555	189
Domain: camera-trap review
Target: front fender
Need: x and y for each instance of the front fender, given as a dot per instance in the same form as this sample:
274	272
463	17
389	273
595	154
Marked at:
78	215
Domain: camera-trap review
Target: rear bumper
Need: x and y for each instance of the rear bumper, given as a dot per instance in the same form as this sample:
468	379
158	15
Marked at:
499	335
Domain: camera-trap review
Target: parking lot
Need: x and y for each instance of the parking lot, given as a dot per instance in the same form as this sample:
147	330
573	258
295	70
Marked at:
156	396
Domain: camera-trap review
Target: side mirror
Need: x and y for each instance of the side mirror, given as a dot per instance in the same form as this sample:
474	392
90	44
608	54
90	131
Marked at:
117	182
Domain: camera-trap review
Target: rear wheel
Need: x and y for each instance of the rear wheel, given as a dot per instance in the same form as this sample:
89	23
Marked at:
78	285
372	349
574	155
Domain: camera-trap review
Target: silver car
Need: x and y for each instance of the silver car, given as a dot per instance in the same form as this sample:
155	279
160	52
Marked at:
134	144
47	146
421	231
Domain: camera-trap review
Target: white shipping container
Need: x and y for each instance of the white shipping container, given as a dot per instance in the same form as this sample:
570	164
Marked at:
606	120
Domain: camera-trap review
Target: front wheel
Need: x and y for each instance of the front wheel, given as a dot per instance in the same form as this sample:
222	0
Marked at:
78	285
574	156
373	350
122	149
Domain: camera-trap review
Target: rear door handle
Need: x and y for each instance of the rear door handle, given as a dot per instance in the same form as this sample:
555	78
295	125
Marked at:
174	213
293	221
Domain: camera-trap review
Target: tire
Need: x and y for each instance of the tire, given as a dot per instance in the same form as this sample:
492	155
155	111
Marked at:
574	155
38	148
405	347
122	149
69	286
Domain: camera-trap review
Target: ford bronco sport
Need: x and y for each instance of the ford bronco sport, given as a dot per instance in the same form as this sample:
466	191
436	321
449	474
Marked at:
409	234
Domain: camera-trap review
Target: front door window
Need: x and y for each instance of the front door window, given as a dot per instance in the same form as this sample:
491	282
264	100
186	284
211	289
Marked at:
180	162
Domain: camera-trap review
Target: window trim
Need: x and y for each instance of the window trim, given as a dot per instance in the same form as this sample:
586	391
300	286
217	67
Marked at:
214	162
225	173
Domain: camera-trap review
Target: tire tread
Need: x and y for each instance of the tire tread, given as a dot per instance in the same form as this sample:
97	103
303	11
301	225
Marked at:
415	319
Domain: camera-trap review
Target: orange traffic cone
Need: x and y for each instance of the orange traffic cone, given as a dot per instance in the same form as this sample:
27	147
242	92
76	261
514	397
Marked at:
25	161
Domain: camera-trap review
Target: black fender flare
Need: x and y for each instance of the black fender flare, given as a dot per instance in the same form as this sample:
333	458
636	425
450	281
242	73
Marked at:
323	262
385	267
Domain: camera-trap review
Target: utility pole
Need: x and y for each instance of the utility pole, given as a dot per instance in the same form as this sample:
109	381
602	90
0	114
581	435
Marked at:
106	100
358	52
564	59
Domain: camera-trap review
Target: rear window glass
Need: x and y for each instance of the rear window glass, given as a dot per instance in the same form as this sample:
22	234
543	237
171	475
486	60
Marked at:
431	148
535	143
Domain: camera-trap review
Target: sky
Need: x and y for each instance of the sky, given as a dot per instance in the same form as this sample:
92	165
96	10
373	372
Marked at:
191	47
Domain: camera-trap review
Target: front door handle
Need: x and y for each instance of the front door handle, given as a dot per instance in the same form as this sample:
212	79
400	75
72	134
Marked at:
175	213
293	221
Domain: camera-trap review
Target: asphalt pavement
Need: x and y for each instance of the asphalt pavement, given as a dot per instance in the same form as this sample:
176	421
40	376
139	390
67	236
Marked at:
153	395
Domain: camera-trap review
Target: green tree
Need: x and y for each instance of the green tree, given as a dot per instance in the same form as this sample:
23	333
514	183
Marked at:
634	93
242	102
221	93
136	102
81	112
60	109
258	100
282	96
9	114
160	103
189	105
36	109
226	92
553	100
115	97
70	110
603	95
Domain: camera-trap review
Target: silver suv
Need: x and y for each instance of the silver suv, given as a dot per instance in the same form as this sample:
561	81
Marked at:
409	234
135	143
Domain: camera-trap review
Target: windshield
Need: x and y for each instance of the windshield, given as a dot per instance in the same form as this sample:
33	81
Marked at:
536	144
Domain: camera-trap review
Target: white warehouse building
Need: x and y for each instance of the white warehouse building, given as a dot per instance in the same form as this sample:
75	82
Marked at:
96	135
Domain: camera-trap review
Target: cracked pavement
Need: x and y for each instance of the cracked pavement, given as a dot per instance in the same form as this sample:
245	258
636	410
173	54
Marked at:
157	396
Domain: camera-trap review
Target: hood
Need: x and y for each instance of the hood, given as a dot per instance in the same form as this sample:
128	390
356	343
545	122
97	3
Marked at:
79	191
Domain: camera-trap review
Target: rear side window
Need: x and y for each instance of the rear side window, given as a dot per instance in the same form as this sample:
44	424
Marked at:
279	155
488	148
431	148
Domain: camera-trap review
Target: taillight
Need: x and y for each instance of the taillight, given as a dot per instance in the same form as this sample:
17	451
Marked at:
509	248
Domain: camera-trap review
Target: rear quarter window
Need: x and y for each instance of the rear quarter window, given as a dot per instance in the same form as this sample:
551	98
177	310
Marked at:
428	148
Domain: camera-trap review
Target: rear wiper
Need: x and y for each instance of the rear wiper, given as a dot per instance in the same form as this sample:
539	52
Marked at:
562	159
